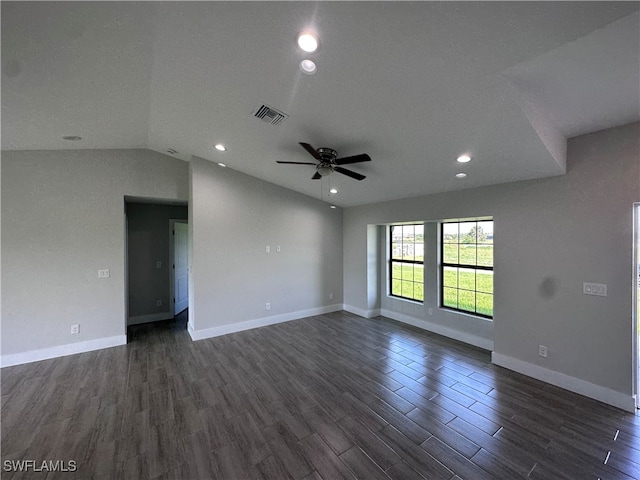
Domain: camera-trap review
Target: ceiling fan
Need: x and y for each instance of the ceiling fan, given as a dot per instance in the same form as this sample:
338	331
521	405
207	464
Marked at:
328	162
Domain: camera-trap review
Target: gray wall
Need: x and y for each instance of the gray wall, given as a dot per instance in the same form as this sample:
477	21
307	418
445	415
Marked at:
63	220
148	243
551	235
232	218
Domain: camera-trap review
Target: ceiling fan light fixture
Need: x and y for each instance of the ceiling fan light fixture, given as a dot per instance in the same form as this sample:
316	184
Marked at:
308	66
324	170
308	42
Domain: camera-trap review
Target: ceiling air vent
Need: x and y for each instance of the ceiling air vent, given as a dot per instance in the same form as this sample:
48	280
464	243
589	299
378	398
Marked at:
270	115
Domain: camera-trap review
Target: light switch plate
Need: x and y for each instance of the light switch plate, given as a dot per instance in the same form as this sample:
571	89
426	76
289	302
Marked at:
597	289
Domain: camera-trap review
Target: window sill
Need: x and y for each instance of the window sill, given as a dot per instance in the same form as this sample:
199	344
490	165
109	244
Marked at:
466	314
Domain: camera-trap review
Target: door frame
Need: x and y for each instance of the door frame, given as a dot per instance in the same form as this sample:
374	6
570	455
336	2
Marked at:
635	299
172	292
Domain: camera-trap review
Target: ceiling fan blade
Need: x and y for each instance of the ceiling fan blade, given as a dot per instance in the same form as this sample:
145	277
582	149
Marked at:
317	176
296	163
353	159
349	173
311	150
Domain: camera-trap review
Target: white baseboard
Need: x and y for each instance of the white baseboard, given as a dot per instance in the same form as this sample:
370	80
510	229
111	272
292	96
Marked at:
582	387
61	350
360	312
152	317
260	322
465	337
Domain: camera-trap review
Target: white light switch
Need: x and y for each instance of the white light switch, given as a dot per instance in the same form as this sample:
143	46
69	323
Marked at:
267	249
598	289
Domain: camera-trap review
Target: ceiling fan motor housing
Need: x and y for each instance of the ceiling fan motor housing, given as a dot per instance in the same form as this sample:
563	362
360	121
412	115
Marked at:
327	154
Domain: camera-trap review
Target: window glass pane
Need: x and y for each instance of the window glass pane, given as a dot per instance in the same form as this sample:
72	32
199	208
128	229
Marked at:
484	304
467	279
418	292
485	232
407	272
485	255
450	232
408	233
484	281
468	232
407	242
450	277
419	252
450	297
467	300
396	287
450	251
418	273
468	254
396	250
396	270
407	289
419	231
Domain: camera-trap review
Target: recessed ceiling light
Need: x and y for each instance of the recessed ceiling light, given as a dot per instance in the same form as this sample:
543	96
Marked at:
464	159
308	66
461	175
222	164
333	190
72	138
332	206
308	42
221	148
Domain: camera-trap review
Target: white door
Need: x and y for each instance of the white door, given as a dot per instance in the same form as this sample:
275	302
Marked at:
180	267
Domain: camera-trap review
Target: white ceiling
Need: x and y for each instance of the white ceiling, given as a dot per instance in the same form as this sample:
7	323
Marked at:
413	84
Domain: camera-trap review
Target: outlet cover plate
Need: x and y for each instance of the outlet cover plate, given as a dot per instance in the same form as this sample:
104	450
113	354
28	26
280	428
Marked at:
597	289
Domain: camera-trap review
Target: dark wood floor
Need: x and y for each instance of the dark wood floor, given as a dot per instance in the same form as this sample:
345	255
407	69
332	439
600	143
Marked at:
328	397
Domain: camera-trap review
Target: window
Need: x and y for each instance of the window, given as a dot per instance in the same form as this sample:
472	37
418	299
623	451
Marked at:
467	267
406	264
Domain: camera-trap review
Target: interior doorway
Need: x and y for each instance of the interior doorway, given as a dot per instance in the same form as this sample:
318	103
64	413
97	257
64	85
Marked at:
179	250
149	259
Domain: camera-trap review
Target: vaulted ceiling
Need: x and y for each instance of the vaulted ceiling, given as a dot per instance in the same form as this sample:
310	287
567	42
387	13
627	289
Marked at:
413	84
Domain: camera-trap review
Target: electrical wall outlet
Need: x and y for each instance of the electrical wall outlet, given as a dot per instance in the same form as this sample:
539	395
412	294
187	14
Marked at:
542	351
158	303
331	296
267	306
430	311
267	249
75	329
278	249
158	264
103	273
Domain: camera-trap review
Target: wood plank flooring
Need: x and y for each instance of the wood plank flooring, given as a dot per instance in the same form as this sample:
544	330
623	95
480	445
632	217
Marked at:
328	397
